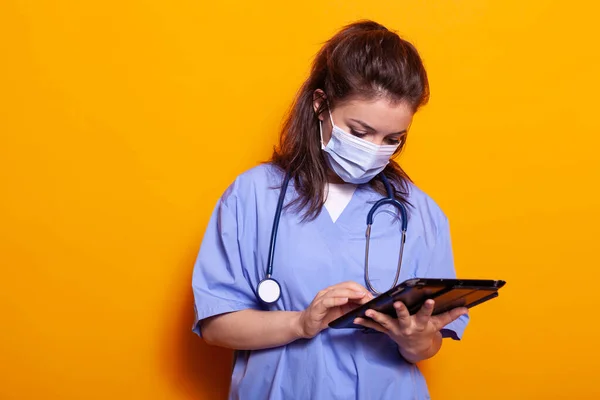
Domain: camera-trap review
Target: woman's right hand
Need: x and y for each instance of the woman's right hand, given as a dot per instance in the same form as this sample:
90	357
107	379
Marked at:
329	304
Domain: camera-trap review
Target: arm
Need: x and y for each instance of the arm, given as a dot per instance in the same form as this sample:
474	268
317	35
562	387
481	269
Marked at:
252	329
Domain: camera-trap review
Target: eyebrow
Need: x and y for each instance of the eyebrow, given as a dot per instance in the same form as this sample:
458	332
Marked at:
367	126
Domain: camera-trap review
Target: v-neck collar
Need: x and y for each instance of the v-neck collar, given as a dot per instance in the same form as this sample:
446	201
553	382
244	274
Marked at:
338	198
351	220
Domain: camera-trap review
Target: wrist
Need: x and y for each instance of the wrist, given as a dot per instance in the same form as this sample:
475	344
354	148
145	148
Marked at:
298	326
420	349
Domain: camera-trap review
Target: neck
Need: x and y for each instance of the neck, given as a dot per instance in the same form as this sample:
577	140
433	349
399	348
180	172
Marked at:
332	177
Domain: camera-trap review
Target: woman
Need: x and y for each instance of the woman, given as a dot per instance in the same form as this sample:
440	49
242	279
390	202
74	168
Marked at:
350	117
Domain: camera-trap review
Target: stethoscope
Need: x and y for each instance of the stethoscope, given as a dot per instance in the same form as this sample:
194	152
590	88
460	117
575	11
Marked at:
269	290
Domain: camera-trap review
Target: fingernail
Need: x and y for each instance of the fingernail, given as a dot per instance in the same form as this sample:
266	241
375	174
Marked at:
359	293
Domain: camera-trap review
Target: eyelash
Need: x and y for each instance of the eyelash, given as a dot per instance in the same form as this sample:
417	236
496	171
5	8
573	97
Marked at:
360	135
357	134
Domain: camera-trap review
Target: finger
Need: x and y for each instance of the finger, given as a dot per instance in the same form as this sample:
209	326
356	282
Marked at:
325	301
343	292
343	285
384	320
402	314
365	299
330	302
370	324
440	321
422	316
350	285
323	292
331	299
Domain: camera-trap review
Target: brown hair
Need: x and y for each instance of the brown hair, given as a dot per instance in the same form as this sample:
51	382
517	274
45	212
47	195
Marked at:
363	59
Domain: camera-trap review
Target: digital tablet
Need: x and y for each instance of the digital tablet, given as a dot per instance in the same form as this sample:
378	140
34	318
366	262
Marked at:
447	293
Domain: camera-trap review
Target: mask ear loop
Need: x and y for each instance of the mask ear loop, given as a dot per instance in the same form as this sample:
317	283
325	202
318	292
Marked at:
321	132
329	112
321	125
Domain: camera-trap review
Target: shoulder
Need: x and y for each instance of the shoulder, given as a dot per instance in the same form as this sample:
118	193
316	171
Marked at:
257	180
245	199
427	211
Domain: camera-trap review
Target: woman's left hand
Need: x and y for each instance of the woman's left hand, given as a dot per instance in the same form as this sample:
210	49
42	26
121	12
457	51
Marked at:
418	336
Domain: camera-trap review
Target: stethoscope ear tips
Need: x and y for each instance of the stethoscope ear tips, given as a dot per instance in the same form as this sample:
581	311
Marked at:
269	290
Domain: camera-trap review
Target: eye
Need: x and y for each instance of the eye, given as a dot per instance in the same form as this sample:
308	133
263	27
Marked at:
356	133
396	140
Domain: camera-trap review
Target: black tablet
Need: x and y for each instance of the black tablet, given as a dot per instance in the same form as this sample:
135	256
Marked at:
447	293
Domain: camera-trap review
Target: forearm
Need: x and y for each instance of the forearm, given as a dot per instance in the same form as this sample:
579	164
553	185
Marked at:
421	351
252	329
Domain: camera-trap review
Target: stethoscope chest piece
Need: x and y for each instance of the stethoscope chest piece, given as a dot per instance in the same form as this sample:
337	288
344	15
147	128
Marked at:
269	290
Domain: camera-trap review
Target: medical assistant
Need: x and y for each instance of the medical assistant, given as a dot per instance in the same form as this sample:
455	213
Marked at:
310	256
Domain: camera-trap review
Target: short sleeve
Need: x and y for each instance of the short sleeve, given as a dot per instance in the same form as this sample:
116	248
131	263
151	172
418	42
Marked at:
442	266
219	282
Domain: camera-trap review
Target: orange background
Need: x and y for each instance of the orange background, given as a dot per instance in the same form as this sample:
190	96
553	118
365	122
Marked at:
121	122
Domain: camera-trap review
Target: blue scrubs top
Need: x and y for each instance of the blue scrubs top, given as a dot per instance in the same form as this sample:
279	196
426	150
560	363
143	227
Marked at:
310	256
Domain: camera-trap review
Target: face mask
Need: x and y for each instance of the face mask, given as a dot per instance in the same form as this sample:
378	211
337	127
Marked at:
353	159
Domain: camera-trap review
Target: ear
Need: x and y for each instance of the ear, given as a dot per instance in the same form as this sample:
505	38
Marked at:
319	97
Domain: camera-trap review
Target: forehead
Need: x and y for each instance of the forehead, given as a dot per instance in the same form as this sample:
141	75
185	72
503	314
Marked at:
380	113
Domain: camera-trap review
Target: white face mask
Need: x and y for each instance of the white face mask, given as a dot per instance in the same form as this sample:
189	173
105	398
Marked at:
353	159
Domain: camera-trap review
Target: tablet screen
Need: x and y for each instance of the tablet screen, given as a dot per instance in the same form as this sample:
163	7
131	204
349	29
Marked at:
414	296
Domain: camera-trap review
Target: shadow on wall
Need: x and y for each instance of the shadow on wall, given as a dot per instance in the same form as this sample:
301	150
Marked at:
206	370
197	370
